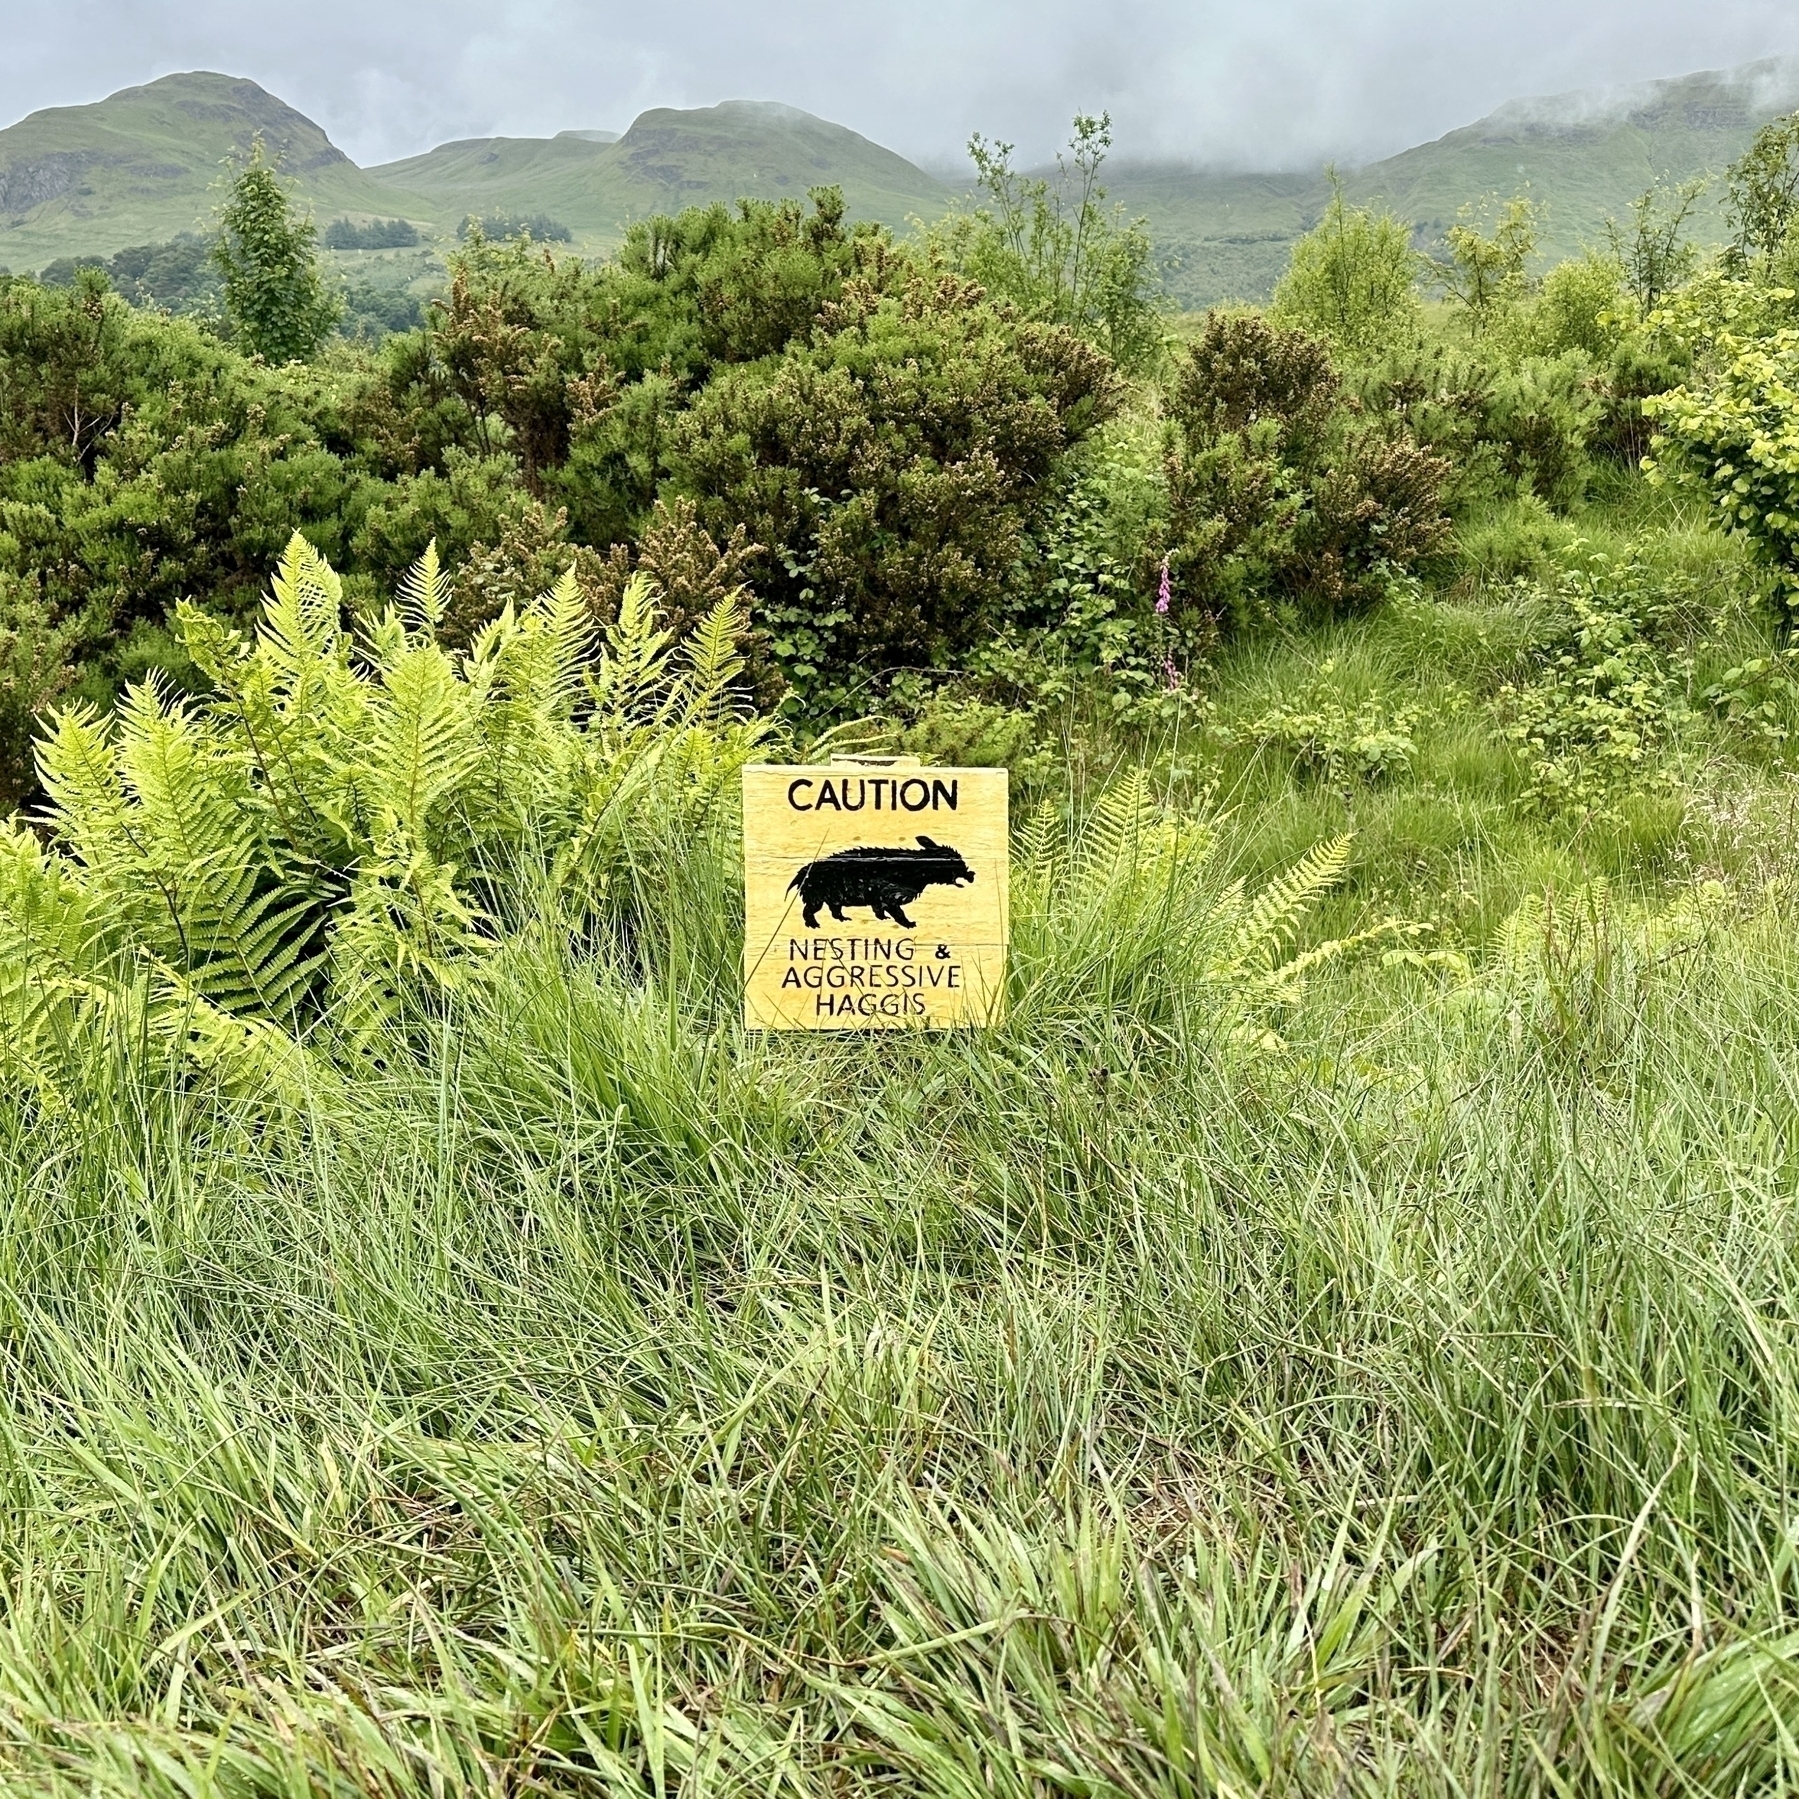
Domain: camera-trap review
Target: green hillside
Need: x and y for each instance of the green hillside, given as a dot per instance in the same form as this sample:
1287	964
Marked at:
142	165
1584	156
668	159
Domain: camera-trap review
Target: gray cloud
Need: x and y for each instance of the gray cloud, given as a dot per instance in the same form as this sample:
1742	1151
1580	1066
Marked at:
1247	83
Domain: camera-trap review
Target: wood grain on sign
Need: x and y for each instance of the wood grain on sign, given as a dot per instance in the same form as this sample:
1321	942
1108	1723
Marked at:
875	896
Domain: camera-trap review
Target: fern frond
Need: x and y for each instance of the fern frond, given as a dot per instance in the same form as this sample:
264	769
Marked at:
425	595
714	661
567	625
1274	915
1038	845
1111	833
251	1055
301	618
79	774
422	742
54	940
229	920
636	654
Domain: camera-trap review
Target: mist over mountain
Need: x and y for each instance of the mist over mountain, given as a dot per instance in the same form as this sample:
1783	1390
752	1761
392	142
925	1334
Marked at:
1583	156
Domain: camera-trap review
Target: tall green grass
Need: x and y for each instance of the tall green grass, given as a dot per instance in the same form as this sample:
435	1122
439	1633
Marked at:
1162	1393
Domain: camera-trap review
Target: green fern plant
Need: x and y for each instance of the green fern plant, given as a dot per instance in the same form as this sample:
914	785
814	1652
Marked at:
1121	911
352	818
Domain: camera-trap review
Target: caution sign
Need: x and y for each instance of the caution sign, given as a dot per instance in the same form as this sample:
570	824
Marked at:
874	896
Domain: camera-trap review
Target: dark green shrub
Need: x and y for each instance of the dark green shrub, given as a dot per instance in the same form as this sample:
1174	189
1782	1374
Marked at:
376	234
890	465
1280	489
497	227
1505	425
177	276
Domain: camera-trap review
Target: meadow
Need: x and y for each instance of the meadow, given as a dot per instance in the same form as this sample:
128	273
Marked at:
1336	1335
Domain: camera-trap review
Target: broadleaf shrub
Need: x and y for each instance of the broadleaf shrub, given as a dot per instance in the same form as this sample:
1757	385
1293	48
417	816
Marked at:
1609	687
1734	437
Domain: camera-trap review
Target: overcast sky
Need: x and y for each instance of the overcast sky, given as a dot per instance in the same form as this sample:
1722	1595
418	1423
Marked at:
1256	83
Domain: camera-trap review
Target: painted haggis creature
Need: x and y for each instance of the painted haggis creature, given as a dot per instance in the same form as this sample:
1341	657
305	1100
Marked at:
888	880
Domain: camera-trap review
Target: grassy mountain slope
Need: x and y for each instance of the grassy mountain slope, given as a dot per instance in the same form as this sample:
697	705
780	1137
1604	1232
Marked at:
1587	156
489	175
141	166
668	159
1584	156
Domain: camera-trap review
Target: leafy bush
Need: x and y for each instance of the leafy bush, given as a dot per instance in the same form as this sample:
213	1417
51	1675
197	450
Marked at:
1325	736
1577	308
1080	619
1486	268
1352	279
1279	489
1607	691
1733	437
1764	191
1053	250
1652	250
273	291
1760	695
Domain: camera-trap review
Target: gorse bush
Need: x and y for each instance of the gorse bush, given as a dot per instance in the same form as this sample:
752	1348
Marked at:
877	439
1503	425
890	468
1279	492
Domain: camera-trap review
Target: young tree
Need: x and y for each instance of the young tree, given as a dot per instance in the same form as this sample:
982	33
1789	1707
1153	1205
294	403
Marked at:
1352	278
266	254
1053	250
1764	190
1487	273
1650	249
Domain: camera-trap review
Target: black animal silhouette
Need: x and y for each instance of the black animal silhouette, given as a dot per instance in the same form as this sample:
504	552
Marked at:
889	880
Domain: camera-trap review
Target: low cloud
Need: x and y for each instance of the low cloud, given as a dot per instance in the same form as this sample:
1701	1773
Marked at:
1278	84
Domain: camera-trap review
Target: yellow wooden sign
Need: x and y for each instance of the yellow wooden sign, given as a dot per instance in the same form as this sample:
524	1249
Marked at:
874	896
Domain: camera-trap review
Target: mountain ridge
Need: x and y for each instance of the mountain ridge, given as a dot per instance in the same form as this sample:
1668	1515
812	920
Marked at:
666	159
145	163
